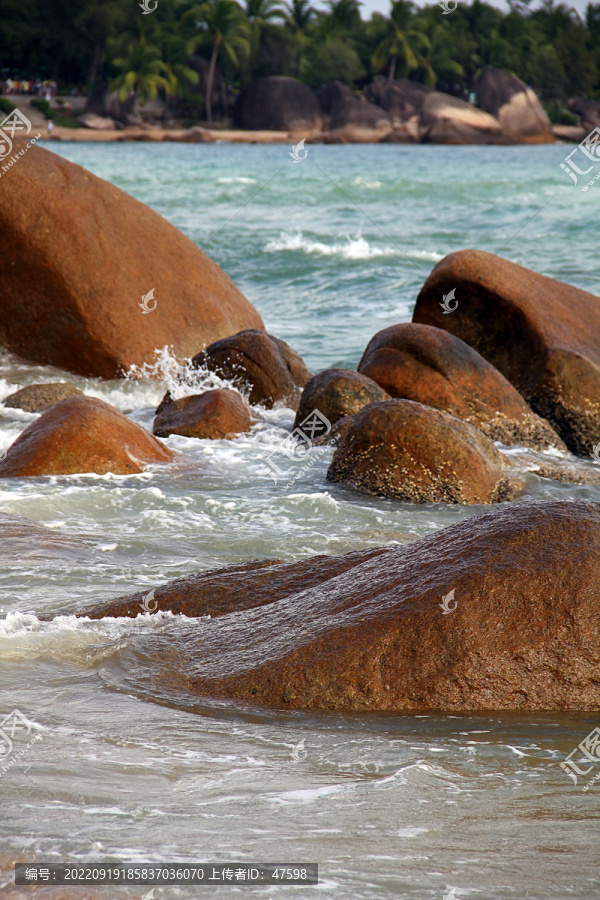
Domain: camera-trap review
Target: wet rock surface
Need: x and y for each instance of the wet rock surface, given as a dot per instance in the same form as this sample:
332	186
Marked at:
263	366
541	334
39	397
406	451
82	434
376	630
213	414
433	367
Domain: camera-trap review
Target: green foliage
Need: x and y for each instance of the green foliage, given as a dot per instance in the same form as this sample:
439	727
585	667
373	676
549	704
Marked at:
43	106
558	115
329	60
552	48
6	106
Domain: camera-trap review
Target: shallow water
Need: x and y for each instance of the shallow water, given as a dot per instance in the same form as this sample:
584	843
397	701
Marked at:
329	251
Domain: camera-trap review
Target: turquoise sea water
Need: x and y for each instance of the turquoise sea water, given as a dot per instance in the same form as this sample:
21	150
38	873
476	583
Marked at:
329	251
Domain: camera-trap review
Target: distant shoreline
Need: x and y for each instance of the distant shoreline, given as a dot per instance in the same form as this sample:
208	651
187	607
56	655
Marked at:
199	135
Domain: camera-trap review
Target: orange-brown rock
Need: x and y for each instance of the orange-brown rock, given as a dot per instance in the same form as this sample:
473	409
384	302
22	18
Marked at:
213	414
258	364
516	106
542	334
414	453
82	434
371	630
336	393
433	367
40	397
78	256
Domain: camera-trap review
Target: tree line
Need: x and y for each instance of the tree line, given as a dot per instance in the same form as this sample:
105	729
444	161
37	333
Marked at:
181	48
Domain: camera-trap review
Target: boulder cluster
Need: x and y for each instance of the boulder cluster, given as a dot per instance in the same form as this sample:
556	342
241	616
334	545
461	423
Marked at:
505	111
514	360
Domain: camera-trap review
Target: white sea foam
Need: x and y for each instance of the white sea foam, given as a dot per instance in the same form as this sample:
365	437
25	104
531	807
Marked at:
355	248
236	179
364	182
351	248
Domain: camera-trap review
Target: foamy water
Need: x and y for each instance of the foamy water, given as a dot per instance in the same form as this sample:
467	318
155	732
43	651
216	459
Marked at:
129	767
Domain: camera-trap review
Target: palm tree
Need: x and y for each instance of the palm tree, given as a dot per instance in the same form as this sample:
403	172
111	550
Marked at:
227	28
402	43
299	14
259	13
345	14
263	10
176	53
143	72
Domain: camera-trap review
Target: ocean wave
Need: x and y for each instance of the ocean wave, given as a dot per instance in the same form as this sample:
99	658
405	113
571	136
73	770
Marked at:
357	248
236	179
351	248
363	182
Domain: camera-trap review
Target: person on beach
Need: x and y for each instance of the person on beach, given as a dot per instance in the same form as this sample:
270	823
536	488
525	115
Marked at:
50	127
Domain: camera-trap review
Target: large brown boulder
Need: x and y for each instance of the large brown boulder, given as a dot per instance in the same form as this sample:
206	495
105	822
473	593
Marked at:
433	367
587	110
215	415
352	119
497	612
402	99
336	393
82	434
258	363
278	103
40	397
542	334
411	452
448	120
333	96
78	255
516	106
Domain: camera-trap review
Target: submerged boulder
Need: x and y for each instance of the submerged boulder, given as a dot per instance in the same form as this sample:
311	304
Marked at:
497	612
215	414
278	103
78	257
39	397
336	393
258	363
433	367
82	434
516	106
542	334
407	451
